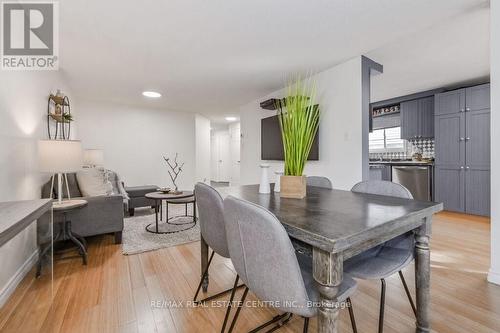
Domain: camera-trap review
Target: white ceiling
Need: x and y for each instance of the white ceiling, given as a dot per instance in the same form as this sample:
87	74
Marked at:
212	56
448	54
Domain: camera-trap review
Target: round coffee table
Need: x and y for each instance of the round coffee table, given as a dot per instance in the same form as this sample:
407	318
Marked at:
186	197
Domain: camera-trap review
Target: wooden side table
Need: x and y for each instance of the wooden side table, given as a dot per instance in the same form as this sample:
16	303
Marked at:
65	231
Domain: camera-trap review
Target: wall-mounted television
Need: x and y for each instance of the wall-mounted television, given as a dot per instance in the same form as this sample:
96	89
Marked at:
271	143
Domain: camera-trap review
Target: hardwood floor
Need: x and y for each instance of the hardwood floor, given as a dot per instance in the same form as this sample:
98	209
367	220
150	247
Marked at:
115	293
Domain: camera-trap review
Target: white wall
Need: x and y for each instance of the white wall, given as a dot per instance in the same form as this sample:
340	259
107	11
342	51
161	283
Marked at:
340	132
494	275
23	110
202	154
134	140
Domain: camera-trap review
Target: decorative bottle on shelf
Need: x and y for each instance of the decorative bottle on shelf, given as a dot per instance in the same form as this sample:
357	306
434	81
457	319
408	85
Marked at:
277	183
264	179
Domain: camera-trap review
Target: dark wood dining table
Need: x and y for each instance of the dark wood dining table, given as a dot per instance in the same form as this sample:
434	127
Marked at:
338	225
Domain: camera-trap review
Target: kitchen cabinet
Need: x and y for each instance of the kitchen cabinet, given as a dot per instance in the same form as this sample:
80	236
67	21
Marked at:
449	187
417	118
380	172
462	148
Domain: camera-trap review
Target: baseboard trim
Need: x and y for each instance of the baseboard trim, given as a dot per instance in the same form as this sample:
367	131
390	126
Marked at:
14	281
494	277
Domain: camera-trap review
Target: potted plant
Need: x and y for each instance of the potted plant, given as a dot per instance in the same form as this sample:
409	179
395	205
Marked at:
299	121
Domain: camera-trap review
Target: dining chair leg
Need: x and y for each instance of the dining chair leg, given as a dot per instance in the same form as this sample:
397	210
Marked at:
240	305
203	276
228	311
382	308
281	320
351	315
306	325
408	293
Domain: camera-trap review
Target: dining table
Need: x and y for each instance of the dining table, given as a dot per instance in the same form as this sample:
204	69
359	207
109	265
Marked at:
337	225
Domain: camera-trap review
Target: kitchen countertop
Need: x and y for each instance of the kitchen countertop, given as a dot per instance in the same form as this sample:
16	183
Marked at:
417	163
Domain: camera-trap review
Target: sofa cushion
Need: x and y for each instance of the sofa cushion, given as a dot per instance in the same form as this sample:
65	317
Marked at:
93	182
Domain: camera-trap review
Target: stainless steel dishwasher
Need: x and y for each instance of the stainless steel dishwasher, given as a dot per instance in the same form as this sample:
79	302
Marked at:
417	179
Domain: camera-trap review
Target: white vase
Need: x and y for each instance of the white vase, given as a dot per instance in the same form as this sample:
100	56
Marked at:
264	179
277	182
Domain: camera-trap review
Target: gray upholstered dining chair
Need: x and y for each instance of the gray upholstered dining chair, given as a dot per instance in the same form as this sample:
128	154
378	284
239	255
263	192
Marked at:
388	258
263	256
212	227
318	181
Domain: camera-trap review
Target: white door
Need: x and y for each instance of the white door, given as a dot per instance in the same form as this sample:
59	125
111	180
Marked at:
214	157
220	161
235	137
224	162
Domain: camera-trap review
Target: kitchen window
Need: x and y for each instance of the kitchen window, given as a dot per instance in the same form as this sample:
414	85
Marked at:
386	139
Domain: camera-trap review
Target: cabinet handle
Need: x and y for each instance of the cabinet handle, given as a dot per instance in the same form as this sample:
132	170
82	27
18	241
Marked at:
462	167
462	110
467	139
467	168
461	139
467	109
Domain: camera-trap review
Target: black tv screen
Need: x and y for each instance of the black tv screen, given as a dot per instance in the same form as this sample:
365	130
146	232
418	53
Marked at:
271	143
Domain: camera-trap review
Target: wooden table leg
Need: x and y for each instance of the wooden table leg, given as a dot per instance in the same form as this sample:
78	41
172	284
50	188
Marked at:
204	262
328	273
423	276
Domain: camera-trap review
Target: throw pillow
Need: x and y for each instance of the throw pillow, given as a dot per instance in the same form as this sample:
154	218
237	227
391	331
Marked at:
93	182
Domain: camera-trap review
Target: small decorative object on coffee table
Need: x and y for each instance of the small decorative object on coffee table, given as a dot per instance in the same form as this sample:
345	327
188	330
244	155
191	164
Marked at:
186	197
176	170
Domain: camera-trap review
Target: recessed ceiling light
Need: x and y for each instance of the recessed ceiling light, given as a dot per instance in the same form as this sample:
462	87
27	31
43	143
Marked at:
152	94
230	118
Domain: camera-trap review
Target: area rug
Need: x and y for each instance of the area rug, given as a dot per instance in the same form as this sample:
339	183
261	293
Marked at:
137	240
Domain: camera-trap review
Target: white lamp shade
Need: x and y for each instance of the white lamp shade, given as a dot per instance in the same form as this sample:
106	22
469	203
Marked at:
93	157
59	156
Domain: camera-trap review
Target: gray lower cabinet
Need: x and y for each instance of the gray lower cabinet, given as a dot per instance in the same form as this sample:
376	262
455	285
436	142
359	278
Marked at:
449	187
462	148
477	184
380	172
417	118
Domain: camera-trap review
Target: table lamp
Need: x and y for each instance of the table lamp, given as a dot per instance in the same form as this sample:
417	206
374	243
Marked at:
59	157
93	157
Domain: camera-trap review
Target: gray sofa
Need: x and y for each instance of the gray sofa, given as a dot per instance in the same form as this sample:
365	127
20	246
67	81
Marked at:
102	215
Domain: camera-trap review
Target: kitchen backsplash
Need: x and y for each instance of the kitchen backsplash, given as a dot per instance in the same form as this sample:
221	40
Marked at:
426	146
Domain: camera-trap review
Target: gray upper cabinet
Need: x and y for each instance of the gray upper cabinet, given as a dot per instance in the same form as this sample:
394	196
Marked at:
409	119
462	147
478	98
477	139
426	117
417	118
450	102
